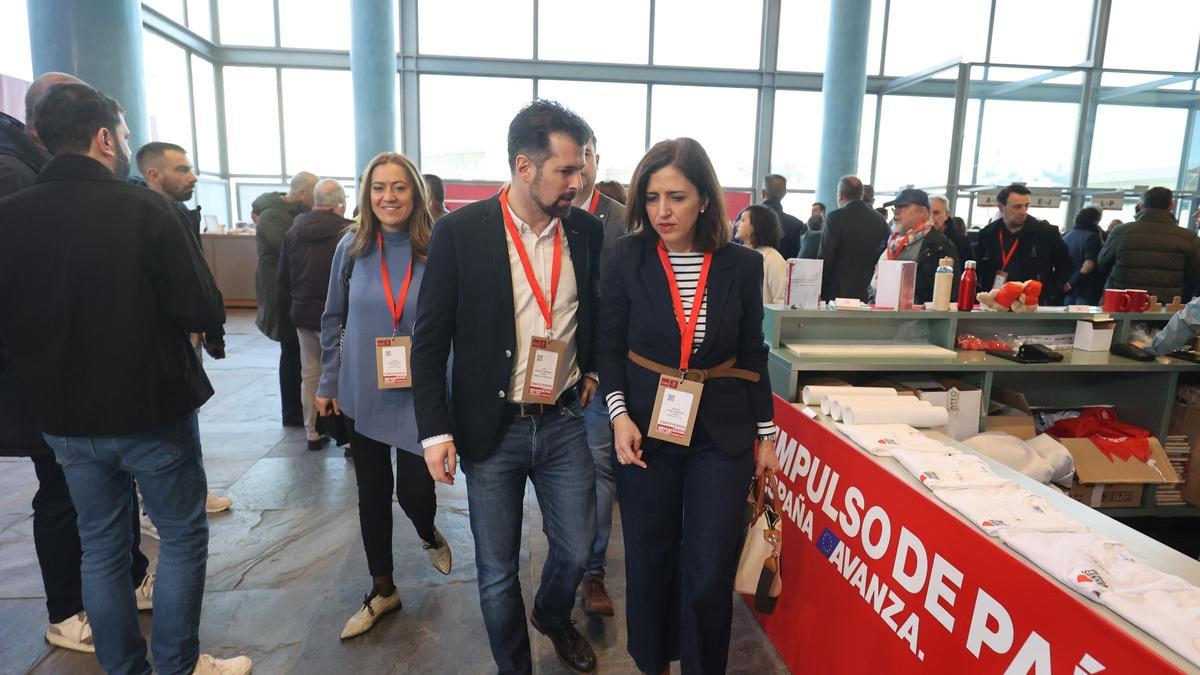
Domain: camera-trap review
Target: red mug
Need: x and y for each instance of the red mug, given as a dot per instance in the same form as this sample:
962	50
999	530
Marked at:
1139	301
1116	300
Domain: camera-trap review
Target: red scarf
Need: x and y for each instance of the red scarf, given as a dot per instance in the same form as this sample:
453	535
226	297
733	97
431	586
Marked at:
898	242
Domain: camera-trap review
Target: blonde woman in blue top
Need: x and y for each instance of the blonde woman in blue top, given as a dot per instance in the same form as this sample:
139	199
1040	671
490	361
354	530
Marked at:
383	262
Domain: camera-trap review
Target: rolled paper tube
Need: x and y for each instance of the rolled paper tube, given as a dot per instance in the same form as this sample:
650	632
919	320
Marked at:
828	399
811	394
932	416
837	407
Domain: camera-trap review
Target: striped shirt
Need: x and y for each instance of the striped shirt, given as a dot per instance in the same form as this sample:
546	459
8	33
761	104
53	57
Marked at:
686	267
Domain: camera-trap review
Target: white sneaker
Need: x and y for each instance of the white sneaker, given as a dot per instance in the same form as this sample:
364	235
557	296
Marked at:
215	504
208	665
148	527
73	633
439	555
145	593
374	606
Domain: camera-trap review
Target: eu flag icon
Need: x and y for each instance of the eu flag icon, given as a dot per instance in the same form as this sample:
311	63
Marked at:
827	542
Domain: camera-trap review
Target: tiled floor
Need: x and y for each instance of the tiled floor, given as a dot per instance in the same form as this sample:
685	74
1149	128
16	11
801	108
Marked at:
286	566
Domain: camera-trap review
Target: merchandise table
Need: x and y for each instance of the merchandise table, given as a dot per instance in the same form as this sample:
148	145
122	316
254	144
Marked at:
880	576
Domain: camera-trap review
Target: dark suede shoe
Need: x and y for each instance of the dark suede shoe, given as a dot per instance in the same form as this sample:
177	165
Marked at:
572	648
318	443
595	597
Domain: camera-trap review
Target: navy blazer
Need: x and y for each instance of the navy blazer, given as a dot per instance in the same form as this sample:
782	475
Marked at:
636	314
466	302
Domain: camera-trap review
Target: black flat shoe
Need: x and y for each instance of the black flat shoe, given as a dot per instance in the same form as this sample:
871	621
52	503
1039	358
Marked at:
572	648
318	443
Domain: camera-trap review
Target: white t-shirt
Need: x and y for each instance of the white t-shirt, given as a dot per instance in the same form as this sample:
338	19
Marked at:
995	508
882	439
775	276
948	470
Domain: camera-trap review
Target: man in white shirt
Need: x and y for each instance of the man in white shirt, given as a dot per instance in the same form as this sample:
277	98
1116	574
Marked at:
511	286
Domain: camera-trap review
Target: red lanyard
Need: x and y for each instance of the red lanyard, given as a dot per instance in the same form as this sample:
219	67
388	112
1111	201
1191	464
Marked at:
1005	257
687	329
556	267
395	305
595	201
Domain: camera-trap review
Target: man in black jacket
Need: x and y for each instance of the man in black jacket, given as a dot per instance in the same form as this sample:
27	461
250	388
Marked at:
1019	247
916	239
524	369
305	260
55	534
773	192
99	287
1153	252
850	243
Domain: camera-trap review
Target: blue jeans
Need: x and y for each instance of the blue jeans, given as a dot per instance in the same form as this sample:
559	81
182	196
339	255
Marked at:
100	472
600	440
552	451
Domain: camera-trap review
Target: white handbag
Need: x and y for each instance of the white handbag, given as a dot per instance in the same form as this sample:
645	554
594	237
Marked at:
758	571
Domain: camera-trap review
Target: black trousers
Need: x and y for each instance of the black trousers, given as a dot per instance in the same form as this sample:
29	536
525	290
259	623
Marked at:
414	491
289	377
682	517
56	540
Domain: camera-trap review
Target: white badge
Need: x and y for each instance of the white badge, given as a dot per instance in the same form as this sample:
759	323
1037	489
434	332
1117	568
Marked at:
1001	279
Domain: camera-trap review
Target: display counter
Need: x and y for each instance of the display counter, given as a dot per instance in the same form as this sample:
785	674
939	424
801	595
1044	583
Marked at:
1143	392
881	577
233	261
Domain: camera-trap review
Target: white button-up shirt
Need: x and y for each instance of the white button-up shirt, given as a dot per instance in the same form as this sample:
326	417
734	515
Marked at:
528	315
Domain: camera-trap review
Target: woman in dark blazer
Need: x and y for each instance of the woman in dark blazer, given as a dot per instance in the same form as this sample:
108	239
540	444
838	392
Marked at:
682	505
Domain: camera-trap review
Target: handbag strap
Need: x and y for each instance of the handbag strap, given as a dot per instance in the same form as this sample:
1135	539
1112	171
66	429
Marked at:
760	489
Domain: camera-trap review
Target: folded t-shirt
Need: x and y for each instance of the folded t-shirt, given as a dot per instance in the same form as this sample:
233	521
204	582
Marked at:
949	469
881	439
995	508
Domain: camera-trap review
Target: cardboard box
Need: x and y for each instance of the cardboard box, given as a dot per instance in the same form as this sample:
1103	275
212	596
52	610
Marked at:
1185	419
895	284
1008	411
963	401
1094	335
804	283
1104	483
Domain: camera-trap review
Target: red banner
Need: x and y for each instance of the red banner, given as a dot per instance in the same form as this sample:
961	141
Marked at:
879	577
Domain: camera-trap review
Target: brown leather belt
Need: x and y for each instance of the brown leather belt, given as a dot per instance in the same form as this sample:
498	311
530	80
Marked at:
724	369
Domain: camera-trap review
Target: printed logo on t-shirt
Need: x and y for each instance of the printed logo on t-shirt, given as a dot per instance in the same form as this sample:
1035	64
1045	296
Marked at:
929	475
1088	580
994	522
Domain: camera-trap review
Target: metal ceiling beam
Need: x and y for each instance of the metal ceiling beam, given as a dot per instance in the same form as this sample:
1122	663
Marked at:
917	77
1029	82
1147	86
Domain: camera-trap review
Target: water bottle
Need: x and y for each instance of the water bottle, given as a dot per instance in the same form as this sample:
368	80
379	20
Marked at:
966	288
943	280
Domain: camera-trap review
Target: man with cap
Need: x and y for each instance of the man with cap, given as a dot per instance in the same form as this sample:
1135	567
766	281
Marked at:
914	238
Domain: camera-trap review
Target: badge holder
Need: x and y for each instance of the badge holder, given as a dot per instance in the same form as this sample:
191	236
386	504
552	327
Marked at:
542	370
392	361
673	418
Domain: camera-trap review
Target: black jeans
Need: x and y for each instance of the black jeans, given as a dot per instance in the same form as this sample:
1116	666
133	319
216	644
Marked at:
289	377
683	522
56	539
414	491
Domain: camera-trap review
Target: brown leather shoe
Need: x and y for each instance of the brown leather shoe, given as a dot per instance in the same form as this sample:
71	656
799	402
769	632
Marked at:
595	597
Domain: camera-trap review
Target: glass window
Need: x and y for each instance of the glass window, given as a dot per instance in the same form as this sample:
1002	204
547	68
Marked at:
866	138
1134	145
212	195
172	9
970	136
247	22
318	122
252	120
1039	32
708	33
914	142
618	33
249	190
719	118
924	33
499	28
804	35
796	138
204	95
199	21
616	112
167	99
469	143
1173	26
15	60
314	24
1027	141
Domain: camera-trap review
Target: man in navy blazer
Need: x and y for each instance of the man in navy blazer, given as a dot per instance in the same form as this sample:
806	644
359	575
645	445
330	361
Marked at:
491	293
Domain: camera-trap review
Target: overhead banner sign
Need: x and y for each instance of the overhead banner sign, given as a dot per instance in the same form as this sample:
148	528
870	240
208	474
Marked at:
987	197
1045	200
1112	202
878	577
